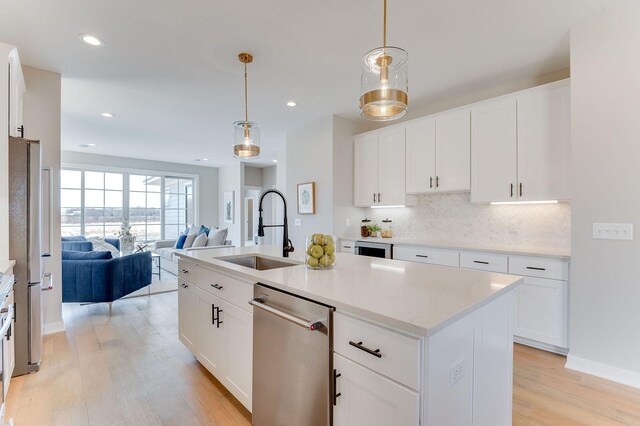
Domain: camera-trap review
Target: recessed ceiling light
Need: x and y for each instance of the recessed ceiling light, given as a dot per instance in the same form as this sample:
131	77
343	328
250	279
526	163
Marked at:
87	145
275	161
108	115
91	40
291	104
201	159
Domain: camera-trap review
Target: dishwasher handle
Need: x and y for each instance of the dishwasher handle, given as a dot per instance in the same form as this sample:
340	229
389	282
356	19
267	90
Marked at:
311	326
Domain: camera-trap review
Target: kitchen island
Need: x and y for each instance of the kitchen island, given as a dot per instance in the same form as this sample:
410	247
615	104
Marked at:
444	335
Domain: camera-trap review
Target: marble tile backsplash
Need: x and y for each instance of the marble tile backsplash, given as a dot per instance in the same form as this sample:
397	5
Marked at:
452	218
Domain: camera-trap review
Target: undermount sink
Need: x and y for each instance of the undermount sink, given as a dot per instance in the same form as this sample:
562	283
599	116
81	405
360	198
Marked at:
259	263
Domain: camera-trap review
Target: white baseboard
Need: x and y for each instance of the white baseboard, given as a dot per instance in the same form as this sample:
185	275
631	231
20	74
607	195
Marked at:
615	374
53	327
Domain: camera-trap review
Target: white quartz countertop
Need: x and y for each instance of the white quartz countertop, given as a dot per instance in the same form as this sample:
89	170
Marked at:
416	298
564	254
5	266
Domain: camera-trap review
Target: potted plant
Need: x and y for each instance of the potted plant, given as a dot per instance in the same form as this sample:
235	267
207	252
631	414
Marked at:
127	239
373	229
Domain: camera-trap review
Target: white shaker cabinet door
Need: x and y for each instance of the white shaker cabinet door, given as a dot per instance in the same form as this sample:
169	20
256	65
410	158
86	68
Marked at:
391	168
367	398
210	343
494	151
544	143
187	314
420	156
365	171
238	346
453	151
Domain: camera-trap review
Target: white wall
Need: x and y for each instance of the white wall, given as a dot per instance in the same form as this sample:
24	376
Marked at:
41	118
605	275
452	218
269	181
207	177
230	178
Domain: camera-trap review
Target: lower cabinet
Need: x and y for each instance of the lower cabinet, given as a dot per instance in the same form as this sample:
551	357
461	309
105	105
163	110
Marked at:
368	398
210	344
238	346
541	311
187	318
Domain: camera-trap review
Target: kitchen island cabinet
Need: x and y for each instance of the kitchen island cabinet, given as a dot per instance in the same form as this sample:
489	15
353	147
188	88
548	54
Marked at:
413	344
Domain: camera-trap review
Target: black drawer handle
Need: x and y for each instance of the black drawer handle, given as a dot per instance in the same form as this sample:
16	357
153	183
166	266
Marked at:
358	345
481	261
184	271
536	268
422	255
335	386
217	286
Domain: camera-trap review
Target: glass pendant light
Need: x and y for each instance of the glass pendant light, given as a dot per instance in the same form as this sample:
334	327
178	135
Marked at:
384	81
246	137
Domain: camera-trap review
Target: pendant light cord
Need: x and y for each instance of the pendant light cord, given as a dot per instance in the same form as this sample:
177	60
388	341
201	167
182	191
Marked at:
384	31
246	108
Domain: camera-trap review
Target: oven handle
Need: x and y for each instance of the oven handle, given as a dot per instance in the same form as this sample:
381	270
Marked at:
7	324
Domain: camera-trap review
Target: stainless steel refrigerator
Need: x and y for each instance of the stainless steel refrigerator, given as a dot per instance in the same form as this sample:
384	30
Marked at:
25	225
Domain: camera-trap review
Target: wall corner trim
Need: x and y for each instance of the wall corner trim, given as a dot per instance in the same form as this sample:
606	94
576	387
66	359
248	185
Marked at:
53	327
605	371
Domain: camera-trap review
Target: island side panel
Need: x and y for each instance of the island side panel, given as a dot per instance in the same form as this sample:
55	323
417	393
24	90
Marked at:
469	374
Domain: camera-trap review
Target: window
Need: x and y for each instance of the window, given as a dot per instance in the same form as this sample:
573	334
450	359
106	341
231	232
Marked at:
145	207
178	205
96	203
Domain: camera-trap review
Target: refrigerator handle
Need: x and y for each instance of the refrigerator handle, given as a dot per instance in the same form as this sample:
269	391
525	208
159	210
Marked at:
47	277
47	202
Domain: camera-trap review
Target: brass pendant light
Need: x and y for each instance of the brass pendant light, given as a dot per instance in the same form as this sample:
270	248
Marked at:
246	139
384	81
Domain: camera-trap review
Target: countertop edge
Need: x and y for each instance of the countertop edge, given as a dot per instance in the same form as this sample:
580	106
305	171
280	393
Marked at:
515	251
394	323
4	267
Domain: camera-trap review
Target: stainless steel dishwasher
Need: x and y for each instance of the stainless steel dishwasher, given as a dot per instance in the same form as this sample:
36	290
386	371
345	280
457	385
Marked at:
292	362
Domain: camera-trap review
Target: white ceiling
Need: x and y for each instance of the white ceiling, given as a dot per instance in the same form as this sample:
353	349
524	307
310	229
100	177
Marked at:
169	70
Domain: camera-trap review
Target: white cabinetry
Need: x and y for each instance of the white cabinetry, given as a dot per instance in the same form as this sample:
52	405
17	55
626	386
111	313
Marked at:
216	325
367	398
187	318
12	89
438	153
347	246
520	146
428	255
379	169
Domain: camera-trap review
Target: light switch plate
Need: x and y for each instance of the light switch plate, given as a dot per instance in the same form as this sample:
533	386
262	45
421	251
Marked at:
298	222
613	231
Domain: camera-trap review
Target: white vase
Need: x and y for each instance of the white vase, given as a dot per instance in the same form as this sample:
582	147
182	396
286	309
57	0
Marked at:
127	243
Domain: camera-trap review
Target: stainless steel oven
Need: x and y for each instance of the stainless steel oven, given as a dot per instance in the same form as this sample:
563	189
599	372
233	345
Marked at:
371	249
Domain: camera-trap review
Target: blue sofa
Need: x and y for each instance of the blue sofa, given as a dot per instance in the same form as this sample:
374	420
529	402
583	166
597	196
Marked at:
96	276
82	244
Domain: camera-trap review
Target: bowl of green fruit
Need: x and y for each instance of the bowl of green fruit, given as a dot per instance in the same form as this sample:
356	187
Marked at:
321	251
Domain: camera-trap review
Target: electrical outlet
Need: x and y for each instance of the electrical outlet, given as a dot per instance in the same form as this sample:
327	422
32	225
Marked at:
456	372
513	227
348	222
298	222
613	231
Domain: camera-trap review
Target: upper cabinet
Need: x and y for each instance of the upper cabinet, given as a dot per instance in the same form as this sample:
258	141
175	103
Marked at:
13	88
438	153
520	146
379	169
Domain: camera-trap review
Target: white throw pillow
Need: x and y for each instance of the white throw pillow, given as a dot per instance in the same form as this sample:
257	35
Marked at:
200	241
217	237
100	244
189	241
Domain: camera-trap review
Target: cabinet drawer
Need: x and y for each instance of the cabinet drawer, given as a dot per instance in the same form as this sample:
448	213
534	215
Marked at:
389	353
539	267
187	270
484	261
427	255
347	246
230	289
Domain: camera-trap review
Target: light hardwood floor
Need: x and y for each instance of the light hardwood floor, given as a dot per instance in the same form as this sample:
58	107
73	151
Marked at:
132	370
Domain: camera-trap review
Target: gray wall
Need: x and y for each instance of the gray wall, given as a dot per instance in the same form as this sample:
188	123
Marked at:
41	112
605	275
208	177
252	176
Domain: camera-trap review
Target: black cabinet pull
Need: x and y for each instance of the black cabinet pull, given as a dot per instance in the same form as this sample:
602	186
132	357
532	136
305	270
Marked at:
374	197
511	190
217	286
422	255
213	314
536	268
437	181
431	182
218	322
335	386
358	345
481	261
521	189
379	198
184	271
